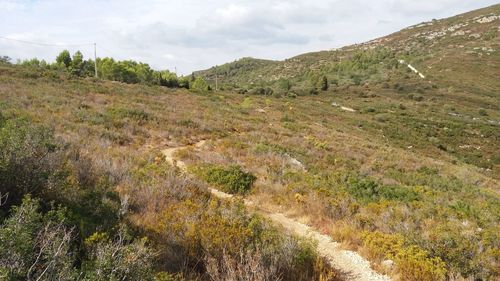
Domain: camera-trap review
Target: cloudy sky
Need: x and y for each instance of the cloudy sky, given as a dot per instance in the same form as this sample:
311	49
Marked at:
192	35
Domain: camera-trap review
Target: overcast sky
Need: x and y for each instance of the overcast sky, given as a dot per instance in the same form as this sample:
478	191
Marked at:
193	35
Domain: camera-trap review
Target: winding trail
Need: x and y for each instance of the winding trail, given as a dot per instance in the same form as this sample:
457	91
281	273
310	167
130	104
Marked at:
349	264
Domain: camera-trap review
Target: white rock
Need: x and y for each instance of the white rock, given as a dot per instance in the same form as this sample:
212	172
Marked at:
488	19
347	109
388	263
459	33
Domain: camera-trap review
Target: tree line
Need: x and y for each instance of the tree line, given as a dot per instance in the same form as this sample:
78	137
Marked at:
126	71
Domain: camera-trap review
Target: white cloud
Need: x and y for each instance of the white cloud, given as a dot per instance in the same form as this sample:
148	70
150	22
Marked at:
11	5
193	34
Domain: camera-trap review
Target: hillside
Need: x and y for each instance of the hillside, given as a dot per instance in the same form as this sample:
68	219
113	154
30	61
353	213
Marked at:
273	177
460	59
439	48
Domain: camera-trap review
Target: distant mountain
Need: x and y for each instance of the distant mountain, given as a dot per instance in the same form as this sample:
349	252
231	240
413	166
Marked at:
460	52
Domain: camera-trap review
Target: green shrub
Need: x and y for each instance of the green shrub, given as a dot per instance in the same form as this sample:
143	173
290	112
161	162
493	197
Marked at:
33	162
231	180
367	190
28	159
483	112
36	245
45	246
119	259
284	85
199	85
369	110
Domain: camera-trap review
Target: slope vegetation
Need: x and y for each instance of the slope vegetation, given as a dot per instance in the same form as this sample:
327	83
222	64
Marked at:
402	169
452	52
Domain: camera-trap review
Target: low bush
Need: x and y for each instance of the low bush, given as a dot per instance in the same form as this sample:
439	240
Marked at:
221	238
231	180
382	245
29	160
121	258
33	162
39	245
367	190
36	245
413	263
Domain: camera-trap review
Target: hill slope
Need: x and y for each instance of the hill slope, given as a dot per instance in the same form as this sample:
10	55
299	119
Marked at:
461	51
402	169
459	58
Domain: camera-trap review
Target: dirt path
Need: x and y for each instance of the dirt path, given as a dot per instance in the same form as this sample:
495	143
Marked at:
349	263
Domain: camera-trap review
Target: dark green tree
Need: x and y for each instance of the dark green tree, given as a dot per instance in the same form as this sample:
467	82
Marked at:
64	58
167	79
88	68
184	82
77	64
5	60
324	83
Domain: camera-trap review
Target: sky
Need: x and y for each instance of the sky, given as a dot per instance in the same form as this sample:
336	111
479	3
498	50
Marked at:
188	35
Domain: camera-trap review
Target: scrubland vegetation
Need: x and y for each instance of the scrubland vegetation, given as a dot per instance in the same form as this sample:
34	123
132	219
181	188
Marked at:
79	201
409	177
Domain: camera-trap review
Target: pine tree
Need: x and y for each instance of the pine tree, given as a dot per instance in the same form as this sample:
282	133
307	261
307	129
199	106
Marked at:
64	58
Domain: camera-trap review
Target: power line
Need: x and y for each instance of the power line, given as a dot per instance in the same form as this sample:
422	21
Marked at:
46	44
105	49
59	45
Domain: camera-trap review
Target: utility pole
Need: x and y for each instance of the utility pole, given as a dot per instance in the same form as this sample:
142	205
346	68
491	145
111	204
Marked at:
95	59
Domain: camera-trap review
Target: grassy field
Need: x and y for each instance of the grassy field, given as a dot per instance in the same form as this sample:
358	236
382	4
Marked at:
397	167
